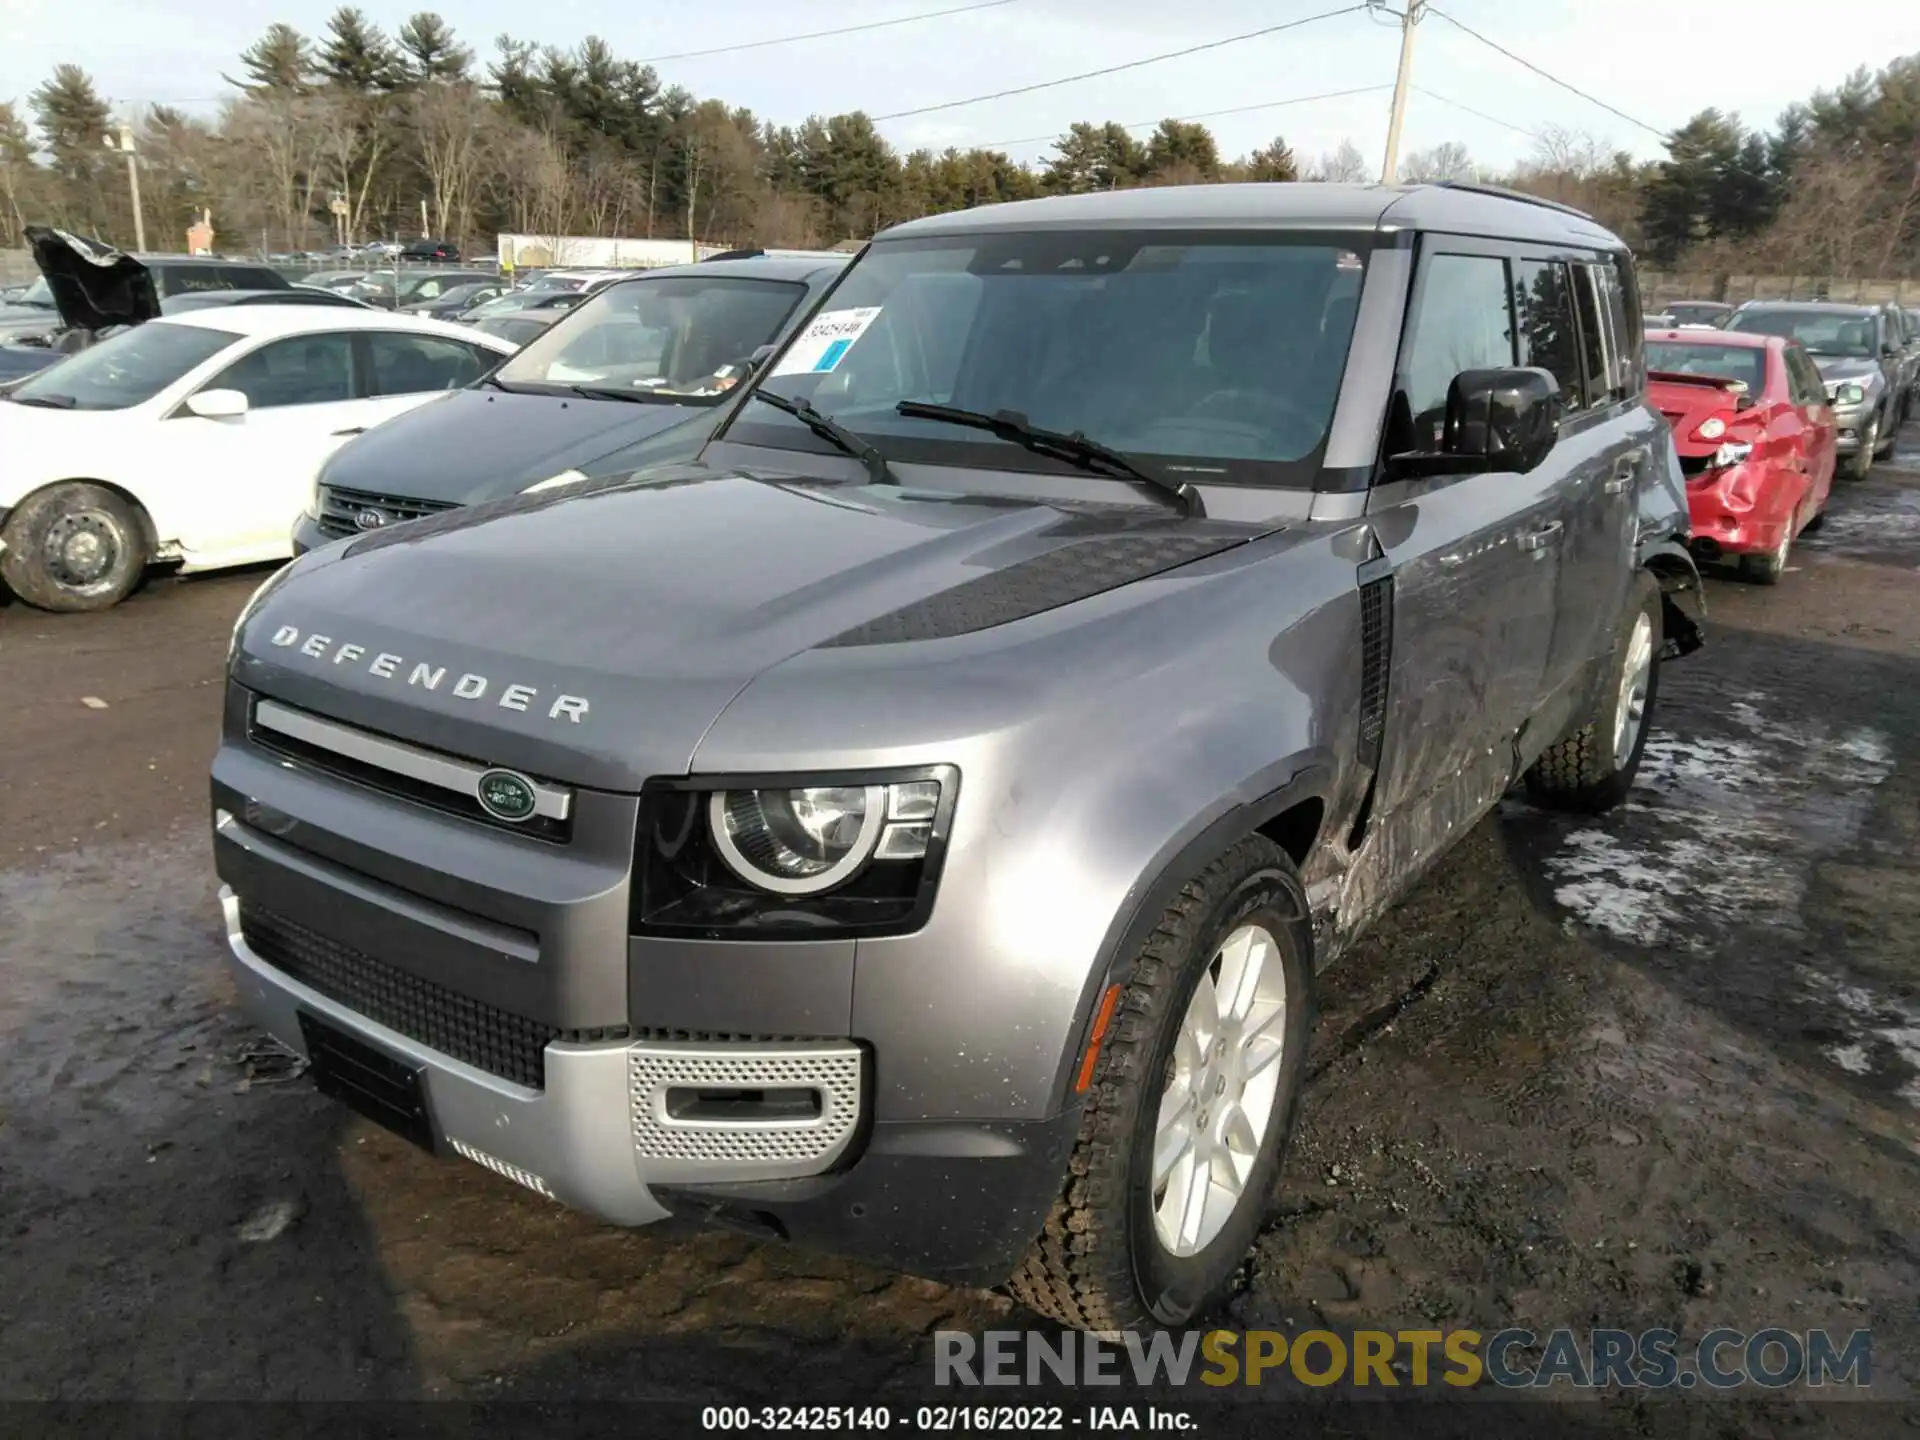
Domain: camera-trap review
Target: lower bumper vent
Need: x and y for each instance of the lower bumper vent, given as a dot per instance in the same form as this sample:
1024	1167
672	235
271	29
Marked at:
786	1109
471	1031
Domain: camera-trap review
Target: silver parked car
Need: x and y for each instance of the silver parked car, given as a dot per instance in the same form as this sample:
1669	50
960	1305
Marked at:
913	828
1859	359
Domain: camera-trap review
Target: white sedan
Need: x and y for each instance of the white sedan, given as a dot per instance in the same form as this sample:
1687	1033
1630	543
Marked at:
195	439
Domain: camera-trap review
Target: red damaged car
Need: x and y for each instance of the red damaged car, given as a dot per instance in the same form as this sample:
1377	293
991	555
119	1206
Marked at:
1756	439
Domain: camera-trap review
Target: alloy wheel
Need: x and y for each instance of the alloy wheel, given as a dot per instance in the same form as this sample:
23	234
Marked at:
1636	680
1222	1081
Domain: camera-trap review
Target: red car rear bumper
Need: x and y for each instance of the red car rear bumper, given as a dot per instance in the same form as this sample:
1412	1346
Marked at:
1727	521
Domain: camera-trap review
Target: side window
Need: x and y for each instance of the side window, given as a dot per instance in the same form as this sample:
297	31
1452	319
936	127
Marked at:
1633	337
301	370
1595	351
1543	298
409	364
1623	375
1809	388
1462	321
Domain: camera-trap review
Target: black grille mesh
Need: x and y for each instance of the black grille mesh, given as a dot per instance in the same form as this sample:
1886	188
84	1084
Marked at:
481	1035
338	509
1376	650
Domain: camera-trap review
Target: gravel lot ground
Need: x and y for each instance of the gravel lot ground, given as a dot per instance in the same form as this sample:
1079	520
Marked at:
1662	1069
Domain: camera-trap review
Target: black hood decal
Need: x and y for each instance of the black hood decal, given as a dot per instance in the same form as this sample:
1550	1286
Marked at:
94	285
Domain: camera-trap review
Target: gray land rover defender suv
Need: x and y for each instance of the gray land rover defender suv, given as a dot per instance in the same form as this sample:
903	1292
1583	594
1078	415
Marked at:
913	827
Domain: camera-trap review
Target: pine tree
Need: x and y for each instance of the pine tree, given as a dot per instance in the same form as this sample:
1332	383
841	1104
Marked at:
1273	162
280	62
73	122
357	55
429	50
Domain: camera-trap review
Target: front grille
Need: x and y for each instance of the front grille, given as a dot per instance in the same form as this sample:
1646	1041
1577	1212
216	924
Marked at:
471	1031
830	1071
340	510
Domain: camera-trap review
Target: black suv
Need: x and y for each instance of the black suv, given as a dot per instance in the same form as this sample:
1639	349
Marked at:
425	249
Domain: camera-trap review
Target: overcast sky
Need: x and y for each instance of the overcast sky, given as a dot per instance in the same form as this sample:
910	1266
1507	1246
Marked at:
1655	60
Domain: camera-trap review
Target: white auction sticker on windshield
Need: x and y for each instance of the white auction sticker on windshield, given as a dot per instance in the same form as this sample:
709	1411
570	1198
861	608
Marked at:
826	341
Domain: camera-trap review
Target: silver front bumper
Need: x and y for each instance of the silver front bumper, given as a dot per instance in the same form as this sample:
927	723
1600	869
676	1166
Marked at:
604	1128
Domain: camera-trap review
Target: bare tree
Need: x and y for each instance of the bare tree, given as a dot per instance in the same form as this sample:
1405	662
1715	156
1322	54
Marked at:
452	134
1448	160
1344	165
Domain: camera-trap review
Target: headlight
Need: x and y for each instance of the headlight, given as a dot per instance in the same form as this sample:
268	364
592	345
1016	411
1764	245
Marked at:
1849	394
1712	428
845	855
1731	453
553	482
805	841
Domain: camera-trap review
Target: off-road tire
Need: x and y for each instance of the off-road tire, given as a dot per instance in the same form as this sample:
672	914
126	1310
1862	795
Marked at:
24	564
1577	772
1098	1264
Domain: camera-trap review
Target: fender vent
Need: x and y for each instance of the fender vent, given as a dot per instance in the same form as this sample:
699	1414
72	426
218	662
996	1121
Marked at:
1376	655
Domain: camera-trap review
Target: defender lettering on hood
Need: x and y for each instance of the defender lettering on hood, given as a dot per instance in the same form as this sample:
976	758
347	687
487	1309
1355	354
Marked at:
387	666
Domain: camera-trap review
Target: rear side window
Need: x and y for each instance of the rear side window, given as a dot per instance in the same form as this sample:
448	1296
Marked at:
1632	323
1549	337
1463	320
410	364
1809	388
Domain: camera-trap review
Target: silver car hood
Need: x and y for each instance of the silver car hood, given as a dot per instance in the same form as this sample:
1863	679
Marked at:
594	634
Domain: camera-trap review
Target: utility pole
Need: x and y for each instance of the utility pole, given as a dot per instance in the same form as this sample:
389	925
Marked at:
1390	166
126	146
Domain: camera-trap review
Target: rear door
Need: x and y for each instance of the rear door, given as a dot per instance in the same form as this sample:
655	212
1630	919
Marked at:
1474	562
1575	323
405	369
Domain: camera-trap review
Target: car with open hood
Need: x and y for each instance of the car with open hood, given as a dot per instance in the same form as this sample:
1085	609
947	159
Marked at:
648	359
913	827
1859	359
191	440
1756	438
87	288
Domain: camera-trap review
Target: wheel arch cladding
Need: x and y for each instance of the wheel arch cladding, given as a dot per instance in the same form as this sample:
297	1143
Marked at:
1291	816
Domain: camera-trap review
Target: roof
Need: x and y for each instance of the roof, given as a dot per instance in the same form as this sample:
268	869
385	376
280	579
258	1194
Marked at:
1732	339
1466	210
759	267
1814	307
262	321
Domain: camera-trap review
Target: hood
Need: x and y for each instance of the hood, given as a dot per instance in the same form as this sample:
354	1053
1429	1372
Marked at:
1846	367
1686	402
593	634
480	444
94	285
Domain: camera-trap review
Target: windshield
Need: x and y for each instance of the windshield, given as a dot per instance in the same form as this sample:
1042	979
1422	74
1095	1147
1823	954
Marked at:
1822	332
1211	354
1745	363
511	329
38	294
125	370
680	337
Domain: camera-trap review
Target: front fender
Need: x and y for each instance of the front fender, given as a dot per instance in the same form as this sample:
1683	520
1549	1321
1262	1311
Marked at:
1096	745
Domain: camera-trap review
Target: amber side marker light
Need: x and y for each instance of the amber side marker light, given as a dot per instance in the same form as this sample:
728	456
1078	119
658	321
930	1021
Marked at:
1100	1022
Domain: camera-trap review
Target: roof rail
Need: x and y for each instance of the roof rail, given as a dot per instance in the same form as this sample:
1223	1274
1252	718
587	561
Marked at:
1503	192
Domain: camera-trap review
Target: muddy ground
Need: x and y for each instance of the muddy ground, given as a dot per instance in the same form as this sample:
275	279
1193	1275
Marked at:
1660	1069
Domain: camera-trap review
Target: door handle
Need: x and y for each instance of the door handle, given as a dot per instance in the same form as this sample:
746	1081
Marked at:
356	430
1538	540
1624	469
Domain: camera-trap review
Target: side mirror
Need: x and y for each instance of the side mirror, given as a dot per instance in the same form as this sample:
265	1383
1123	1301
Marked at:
1495	420
218	404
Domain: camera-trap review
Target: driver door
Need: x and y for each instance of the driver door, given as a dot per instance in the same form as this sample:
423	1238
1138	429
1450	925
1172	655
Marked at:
252	472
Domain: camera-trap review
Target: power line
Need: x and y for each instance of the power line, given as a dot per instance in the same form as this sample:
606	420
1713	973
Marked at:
1490	119
1546	75
1203	115
1116	69
823	34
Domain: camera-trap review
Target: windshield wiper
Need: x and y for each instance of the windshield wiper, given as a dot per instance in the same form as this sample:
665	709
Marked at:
49	402
833	431
1075	449
608	392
